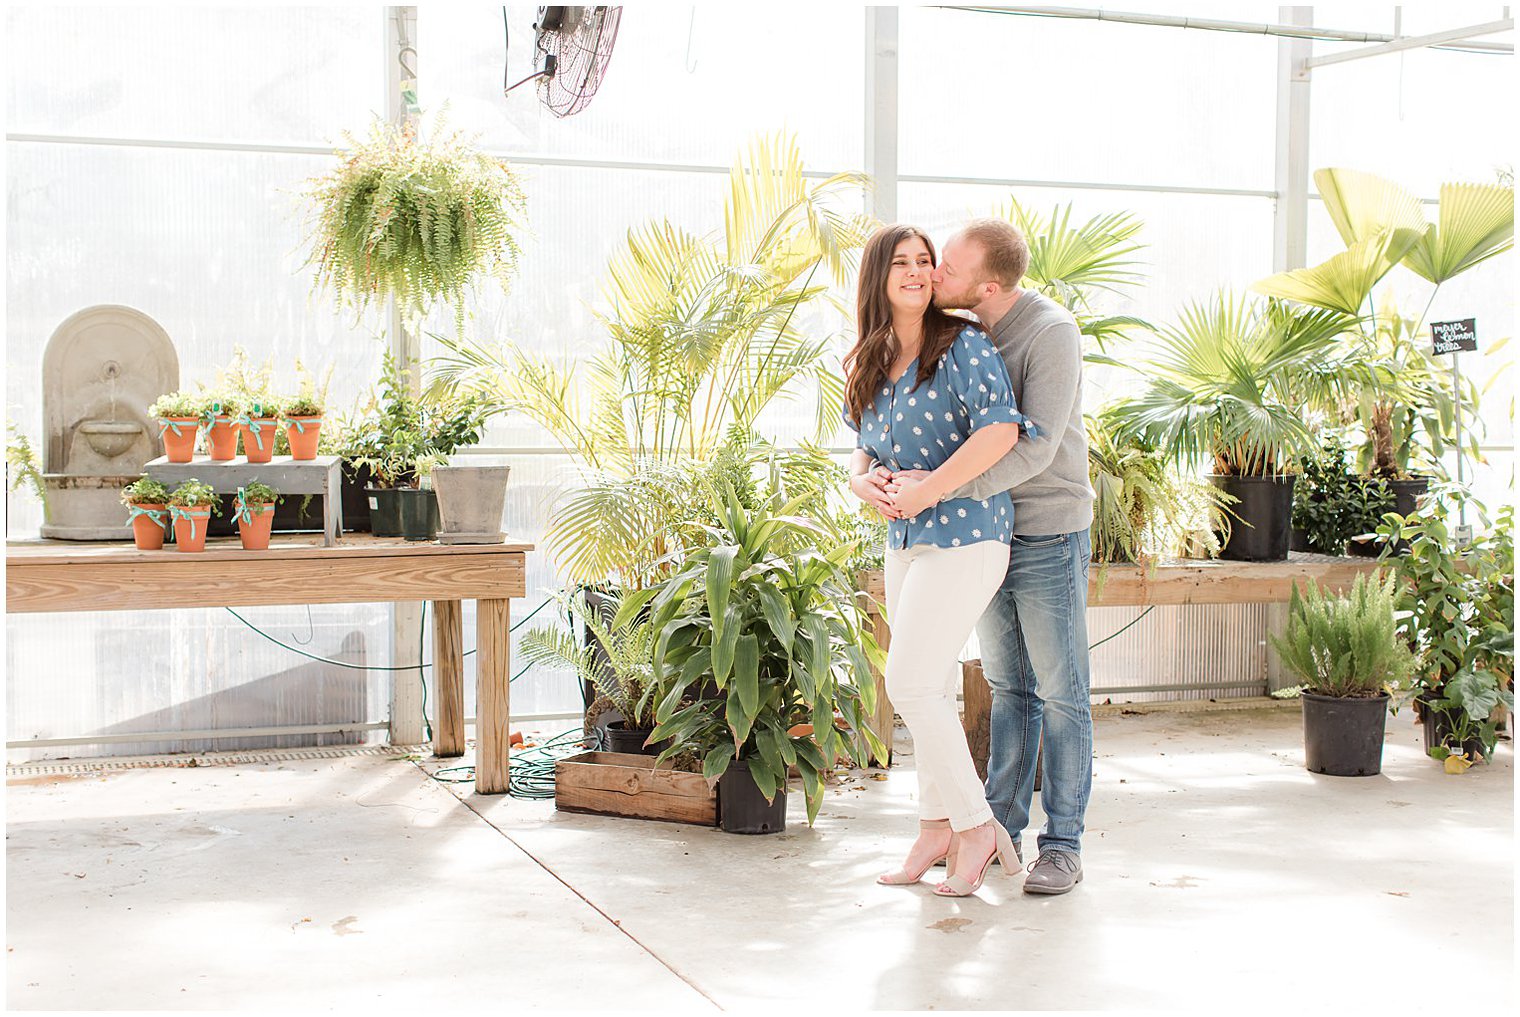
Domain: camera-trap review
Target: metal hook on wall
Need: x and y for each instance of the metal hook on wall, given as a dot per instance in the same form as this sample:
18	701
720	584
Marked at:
311	630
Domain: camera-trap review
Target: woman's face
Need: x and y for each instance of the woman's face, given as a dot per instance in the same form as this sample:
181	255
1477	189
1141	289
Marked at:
908	286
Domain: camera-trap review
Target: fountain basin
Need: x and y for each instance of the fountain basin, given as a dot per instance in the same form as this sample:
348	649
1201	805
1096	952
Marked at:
110	438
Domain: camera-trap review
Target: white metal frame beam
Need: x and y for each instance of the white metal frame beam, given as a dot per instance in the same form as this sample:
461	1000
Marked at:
1416	42
881	110
1290	170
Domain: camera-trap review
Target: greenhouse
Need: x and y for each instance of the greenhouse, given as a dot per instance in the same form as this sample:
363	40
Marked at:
703	507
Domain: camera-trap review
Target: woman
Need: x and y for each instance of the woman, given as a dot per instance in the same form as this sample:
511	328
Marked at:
926	391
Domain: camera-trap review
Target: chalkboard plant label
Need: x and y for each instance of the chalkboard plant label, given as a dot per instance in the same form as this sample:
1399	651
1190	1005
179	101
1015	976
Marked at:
1455	336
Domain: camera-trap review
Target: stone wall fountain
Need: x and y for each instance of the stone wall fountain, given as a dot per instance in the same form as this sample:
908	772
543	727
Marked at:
103	368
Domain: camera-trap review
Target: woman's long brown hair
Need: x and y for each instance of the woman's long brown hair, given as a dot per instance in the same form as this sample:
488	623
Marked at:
869	362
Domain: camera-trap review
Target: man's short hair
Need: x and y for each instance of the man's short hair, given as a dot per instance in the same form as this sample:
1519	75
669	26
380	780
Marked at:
1005	252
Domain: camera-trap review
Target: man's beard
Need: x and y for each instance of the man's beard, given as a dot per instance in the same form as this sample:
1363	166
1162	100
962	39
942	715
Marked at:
950	302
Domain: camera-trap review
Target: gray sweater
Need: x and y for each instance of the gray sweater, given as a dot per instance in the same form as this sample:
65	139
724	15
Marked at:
1047	476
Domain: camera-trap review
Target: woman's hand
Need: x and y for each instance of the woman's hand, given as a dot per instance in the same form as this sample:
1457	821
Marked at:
870	487
911	495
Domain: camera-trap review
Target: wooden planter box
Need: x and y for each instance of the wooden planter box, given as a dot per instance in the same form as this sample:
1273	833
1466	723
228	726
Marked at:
623	784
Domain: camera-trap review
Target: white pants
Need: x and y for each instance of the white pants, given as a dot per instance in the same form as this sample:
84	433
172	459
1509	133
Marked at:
935	595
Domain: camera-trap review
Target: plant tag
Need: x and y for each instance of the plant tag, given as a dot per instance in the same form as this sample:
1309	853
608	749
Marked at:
1463	534
1455	336
374	504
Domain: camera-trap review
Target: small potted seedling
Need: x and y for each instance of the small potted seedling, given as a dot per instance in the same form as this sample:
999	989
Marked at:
191	506
303	423
221	419
257	425
147	503
180	415
254	509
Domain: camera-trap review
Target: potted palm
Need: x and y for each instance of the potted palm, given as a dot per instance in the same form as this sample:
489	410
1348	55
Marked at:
147	503
617	661
1405	399
1456	604
254	510
1347	652
191	506
762	660
1216	394
180	415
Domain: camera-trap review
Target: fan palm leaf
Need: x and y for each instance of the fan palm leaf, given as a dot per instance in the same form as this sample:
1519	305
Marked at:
1477	221
1067	262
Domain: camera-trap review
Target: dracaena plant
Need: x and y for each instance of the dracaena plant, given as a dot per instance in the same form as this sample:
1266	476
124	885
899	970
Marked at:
762	657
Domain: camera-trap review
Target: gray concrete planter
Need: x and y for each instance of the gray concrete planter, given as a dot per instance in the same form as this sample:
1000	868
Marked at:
470	502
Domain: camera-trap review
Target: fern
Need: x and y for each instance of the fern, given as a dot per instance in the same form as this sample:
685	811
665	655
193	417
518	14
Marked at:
415	217
1345	646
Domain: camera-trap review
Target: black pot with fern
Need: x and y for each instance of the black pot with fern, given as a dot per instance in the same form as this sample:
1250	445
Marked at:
1348	652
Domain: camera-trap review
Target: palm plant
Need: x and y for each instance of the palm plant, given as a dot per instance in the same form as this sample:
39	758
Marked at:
704	333
616	658
1073	264
1385	375
1216	384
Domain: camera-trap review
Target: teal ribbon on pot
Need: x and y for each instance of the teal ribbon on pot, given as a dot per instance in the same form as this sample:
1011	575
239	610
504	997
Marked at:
179	512
175	426
242	510
157	515
256	425
300	425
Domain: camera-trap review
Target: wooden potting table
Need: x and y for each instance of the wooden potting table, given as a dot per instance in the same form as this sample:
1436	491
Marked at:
56	575
1168	583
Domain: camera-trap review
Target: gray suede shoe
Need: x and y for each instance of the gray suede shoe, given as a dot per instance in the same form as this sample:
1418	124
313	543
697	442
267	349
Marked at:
1054	872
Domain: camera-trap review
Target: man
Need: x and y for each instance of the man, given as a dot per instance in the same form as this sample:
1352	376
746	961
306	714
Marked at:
1034	634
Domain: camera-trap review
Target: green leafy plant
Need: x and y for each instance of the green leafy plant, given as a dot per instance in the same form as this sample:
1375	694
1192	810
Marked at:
756	637
617	659
178	404
258	493
1216	385
21	464
193	493
400	436
1457	611
704	332
145	491
302	406
415	213
1345	646
1332	504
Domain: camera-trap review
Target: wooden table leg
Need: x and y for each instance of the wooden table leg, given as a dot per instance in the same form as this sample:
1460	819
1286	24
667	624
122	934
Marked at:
493	678
448	677
882	720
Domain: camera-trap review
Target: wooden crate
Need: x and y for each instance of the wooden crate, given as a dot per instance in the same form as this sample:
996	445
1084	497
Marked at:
624	784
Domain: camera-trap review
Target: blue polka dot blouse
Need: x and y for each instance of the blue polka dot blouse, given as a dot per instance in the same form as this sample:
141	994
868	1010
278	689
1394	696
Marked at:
919	427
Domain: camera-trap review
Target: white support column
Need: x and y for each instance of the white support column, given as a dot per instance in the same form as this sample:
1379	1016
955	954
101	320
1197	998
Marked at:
881	110
407	720
1290	177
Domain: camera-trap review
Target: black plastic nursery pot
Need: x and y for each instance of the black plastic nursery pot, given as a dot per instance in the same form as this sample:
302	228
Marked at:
1406	495
1343	737
384	511
1262	517
355	499
1436	728
630	739
741	807
417	511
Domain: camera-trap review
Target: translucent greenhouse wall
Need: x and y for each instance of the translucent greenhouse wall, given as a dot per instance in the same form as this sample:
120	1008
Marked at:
223	113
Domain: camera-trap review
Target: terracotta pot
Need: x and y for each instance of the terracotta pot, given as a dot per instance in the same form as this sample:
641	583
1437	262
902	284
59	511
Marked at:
179	437
223	438
258	445
255	535
149	533
190	534
303	439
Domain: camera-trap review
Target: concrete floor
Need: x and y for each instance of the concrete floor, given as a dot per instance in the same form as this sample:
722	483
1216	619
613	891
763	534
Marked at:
1218	871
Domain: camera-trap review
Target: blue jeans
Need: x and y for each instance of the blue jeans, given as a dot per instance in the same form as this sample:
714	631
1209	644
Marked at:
1034	654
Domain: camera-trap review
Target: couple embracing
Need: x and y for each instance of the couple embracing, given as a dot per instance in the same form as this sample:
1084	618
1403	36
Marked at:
971	444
